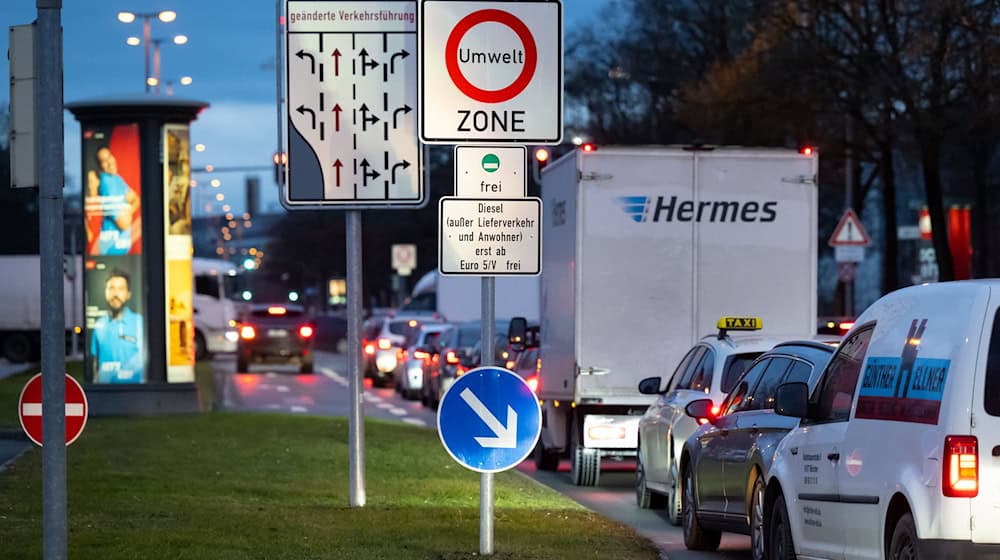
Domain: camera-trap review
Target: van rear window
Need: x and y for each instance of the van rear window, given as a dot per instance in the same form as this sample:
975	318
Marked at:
992	388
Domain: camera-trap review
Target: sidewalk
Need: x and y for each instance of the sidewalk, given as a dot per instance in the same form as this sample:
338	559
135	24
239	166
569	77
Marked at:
12	444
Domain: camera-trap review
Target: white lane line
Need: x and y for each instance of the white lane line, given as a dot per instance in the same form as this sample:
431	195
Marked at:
273	407
282	388
299	409
397	411
385	405
270	374
334	376
415	421
372	398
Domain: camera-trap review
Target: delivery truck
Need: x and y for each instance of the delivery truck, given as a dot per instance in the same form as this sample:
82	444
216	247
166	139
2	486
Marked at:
644	249
460	298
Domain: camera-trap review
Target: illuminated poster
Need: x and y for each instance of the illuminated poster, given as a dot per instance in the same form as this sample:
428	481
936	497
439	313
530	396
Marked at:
179	276
112	190
115	336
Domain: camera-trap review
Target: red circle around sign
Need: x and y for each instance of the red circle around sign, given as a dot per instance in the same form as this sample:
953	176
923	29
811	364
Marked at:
530	56
30	416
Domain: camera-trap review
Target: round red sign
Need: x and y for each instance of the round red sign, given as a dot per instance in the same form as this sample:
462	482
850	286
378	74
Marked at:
455	72
29	409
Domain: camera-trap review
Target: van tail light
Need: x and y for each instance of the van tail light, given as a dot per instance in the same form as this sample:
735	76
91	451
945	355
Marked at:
370	349
306	331
384	344
247	332
451	358
961	467
532	382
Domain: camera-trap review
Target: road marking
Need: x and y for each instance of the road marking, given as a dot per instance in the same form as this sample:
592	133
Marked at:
334	376
282	388
299	409
270	374
385	405
373	398
415	421
397	411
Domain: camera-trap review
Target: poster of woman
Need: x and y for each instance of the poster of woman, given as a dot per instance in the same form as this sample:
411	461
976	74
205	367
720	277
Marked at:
112	190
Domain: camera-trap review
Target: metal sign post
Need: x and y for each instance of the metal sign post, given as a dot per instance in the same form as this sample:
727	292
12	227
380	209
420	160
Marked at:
356	439
488	326
48	61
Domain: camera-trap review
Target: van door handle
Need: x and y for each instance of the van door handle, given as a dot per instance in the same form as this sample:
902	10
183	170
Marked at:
833	456
996	451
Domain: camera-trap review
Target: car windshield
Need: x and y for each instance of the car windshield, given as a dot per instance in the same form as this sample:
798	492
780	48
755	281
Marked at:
468	336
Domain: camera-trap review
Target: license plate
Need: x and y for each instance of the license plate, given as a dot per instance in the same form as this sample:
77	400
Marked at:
277	333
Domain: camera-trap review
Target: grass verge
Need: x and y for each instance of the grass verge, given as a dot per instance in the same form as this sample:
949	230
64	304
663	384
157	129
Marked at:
228	486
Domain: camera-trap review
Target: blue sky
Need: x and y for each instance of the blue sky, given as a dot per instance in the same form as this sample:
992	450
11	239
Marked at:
229	55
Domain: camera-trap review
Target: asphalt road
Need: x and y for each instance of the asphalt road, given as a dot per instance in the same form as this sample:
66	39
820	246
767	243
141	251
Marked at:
282	388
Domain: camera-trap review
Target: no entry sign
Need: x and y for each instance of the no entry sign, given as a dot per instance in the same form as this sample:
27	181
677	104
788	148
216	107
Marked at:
491	71
29	409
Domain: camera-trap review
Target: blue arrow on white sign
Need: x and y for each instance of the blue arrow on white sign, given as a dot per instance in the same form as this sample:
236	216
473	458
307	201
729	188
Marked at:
489	420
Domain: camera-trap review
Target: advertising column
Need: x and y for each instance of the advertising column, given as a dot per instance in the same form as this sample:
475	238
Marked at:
178	251
114	299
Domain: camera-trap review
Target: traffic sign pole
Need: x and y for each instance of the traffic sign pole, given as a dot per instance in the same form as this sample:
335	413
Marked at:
487	352
356	438
48	62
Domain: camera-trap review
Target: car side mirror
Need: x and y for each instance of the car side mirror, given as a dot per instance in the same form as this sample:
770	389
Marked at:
792	399
650	385
517	333
701	410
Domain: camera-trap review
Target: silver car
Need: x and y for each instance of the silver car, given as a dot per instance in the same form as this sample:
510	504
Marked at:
409	373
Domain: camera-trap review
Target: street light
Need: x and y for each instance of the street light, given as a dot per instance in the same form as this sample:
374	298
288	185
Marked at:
178	40
166	16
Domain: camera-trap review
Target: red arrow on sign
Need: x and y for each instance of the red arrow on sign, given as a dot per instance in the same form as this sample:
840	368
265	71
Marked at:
29	409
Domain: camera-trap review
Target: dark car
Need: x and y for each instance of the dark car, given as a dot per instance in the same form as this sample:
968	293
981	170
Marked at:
725	462
279	333
456	354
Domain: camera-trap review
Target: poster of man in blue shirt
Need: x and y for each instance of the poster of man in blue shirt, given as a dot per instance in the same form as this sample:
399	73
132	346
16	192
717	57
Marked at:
116	340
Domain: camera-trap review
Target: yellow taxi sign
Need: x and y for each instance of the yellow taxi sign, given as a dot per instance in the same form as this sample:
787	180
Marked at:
740	323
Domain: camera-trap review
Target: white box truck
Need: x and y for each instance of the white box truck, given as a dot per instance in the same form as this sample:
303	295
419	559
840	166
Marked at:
645	248
459	298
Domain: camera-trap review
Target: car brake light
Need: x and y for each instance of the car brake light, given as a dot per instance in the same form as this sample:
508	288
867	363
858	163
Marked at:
276	310
532	383
715	410
305	331
384	344
247	332
420	355
846	326
451	358
961	467
370	349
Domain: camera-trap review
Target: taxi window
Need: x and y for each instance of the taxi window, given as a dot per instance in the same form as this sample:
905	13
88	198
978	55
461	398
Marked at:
689	359
744	387
840	380
762	397
699	377
799	372
992	388
735	366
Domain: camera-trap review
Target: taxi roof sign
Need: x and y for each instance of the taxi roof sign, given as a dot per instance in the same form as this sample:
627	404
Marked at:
739	324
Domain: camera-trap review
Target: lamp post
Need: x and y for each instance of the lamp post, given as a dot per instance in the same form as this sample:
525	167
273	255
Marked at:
166	16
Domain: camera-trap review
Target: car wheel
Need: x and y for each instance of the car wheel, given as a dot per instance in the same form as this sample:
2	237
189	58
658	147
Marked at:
904	540
779	540
695	536
545	459
675	504
200	347
586	463
242	366
424	400
644	497
17	347
757	540
306	368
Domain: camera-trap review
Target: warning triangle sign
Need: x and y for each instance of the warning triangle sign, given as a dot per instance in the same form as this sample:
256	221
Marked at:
850	232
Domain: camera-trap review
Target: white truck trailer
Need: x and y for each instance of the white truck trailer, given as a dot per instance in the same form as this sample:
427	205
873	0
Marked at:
459	298
645	248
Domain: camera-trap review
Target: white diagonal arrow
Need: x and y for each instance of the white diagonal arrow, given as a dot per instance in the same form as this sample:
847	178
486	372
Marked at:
506	436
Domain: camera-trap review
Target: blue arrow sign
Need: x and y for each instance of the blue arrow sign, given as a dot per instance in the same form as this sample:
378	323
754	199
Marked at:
489	420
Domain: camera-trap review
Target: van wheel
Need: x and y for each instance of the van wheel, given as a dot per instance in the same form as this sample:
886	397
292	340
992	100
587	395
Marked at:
695	536
586	463
17	347
904	540
779	538
644	497
200	347
757	540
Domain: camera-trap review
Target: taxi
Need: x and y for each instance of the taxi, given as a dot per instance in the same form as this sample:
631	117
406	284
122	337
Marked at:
709	370
897	450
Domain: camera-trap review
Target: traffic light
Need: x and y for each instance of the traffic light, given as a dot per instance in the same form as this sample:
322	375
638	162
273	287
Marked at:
280	161
542	157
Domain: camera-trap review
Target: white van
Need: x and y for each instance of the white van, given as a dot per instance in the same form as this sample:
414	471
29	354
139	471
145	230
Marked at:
214	310
897	453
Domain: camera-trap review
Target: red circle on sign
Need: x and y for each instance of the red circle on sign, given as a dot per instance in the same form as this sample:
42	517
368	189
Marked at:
455	72
29	409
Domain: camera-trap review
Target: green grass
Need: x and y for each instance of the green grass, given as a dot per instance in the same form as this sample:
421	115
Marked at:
237	486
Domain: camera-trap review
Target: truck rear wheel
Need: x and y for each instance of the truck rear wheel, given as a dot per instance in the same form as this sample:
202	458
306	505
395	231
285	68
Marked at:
546	459
586	467
18	347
